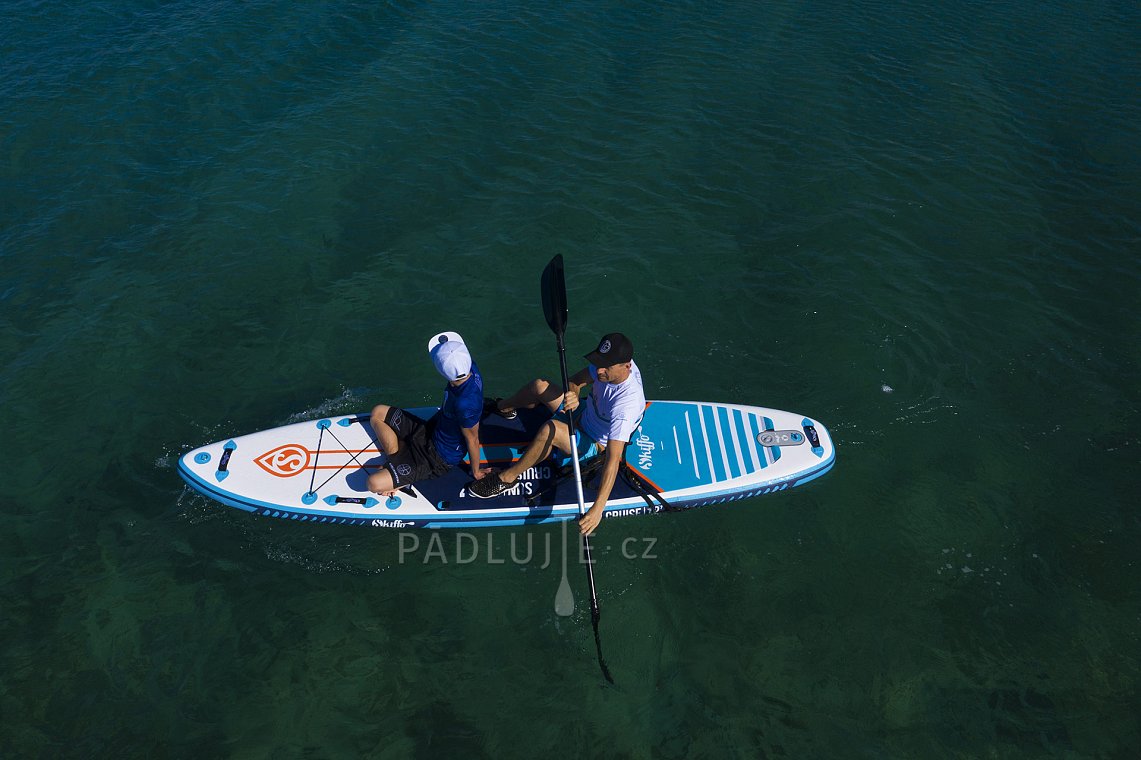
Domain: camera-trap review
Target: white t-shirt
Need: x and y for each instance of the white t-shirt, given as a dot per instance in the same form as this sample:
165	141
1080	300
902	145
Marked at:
613	411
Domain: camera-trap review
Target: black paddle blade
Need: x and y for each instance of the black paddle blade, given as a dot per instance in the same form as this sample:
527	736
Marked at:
555	296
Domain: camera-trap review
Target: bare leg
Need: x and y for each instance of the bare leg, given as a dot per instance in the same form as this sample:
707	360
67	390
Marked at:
539	391
385	436
554	433
381	481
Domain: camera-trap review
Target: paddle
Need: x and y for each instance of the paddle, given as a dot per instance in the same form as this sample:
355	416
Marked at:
555	309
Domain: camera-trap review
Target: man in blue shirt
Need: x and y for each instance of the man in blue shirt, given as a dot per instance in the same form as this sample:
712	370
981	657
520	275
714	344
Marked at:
419	450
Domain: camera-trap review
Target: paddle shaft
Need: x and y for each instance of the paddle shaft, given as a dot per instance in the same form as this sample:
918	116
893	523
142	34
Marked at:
554	293
594	613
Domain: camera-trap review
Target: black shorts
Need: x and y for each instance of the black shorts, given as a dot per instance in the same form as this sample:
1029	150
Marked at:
417	458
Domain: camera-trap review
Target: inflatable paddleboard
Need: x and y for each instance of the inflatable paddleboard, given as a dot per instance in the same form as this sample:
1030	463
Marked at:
683	455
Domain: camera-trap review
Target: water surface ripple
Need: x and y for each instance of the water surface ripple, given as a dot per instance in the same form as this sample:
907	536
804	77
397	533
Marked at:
918	224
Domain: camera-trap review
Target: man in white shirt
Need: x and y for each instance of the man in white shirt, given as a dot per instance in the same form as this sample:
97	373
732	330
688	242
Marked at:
606	420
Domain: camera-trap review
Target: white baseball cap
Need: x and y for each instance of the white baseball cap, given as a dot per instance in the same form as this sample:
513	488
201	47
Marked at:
450	355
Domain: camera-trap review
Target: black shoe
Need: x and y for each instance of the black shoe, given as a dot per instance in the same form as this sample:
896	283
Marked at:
491	406
488	487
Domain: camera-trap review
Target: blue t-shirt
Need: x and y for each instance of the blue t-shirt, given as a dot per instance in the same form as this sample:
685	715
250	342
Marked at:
462	408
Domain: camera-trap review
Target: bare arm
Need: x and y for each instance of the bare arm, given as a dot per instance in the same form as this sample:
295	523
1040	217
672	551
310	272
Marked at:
615	456
471	437
580	380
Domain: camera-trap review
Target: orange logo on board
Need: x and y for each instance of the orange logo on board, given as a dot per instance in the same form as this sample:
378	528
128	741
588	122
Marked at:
284	461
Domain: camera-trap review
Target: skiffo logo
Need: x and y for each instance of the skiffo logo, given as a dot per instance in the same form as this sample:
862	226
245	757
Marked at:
284	461
645	451
392	524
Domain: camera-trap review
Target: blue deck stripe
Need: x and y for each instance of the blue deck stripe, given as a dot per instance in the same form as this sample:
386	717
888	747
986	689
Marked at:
698	440
726	432
714	444
684	448
743	437
762	456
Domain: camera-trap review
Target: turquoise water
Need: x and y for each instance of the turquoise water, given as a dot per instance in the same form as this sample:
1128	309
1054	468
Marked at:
919	224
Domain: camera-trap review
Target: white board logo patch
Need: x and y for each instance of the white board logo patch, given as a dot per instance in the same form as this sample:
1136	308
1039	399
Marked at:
604	348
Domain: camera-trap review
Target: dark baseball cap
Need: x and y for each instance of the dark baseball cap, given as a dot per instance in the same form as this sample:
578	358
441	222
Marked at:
614	348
